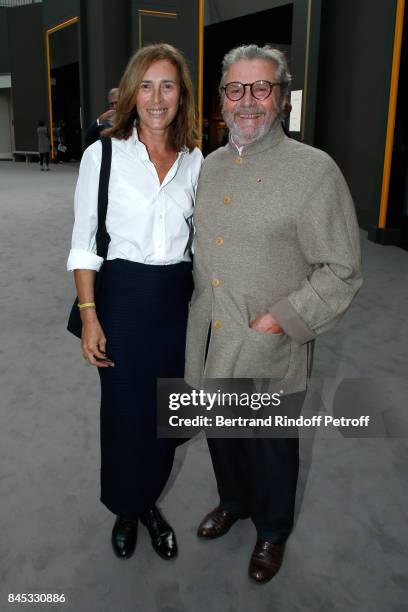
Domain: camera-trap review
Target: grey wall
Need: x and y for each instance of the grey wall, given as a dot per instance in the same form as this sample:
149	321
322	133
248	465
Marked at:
94	59
57	11
354	76
221	10
117	40
181	32
28	74
105	49
4	43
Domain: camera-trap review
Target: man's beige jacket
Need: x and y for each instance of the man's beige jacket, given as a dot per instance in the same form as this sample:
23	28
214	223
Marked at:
276	232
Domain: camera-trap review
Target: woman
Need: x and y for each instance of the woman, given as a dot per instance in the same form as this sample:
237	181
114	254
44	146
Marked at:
44	145
137	331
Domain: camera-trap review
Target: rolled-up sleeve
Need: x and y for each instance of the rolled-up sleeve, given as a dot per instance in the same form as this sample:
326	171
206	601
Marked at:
328	236
83	247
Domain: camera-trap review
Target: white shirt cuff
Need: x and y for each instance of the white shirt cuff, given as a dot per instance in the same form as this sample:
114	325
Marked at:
80	259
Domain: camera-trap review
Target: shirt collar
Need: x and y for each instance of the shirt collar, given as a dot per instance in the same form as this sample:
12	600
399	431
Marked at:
141	148
137	147
239	148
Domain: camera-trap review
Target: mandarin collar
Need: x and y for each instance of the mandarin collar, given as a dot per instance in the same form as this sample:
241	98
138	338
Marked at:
271	139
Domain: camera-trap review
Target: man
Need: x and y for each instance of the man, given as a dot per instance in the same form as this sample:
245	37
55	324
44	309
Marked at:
277	262
103	121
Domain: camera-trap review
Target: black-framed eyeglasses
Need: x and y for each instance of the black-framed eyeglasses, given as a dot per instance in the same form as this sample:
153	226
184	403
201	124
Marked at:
259	90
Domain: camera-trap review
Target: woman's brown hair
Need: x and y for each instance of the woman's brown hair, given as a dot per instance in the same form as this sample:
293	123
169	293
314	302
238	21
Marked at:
183	130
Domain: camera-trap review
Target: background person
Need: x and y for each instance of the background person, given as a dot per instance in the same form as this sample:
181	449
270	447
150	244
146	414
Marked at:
62	142
58	132
137	333
44	145
93	132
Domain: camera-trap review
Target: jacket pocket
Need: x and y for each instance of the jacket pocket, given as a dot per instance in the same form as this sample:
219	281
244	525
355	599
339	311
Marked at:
263	355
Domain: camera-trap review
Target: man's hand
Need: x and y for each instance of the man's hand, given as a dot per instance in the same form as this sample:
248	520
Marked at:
266	324
106	116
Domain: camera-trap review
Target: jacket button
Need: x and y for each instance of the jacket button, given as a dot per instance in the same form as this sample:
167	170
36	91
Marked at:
238	160
227	200
219	241
215	282
217	324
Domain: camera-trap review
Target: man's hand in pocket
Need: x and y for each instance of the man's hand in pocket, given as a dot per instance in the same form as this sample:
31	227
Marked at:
266	324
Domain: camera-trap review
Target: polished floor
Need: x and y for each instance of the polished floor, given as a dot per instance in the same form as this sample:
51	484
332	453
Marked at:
348	552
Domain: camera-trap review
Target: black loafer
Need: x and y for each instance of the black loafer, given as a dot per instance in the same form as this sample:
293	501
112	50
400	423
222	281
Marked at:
162	535
124	537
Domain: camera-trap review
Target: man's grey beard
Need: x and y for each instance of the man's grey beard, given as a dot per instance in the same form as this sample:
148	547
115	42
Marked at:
239	136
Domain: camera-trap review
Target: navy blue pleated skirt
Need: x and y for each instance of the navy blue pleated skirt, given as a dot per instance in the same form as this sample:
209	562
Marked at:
143	311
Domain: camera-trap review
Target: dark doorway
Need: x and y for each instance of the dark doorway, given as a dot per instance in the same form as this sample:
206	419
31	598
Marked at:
65	91
273	27
65	103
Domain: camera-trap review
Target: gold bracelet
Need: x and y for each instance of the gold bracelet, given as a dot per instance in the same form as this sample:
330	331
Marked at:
86	305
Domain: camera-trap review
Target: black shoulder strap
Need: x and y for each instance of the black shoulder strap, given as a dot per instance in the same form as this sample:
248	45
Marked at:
102	236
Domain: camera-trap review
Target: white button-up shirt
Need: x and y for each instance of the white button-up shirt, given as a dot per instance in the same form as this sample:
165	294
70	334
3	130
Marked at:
147	222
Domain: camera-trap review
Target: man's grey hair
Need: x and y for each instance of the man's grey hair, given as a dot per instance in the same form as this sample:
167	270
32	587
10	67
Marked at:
250	52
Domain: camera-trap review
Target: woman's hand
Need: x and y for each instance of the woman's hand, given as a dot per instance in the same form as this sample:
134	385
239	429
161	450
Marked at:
93	340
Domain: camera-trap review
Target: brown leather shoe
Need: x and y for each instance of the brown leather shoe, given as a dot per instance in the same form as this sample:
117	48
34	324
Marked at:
216	523
265	561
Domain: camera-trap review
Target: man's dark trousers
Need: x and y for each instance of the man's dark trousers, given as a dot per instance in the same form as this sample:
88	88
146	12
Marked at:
257	477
